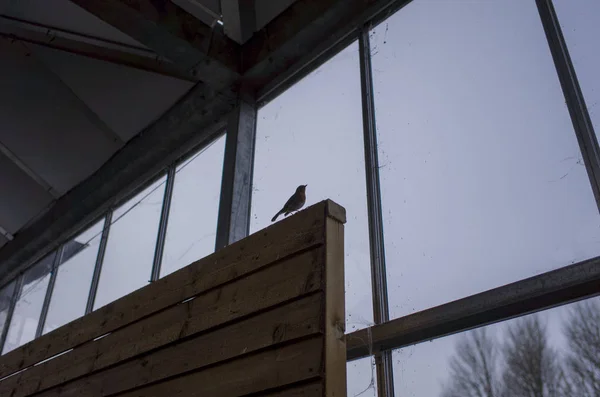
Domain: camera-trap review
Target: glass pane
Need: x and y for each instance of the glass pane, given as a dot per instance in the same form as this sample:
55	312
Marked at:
361	378
482	178
549	354
192	223
580	23
74	277
131	242
312	134
27	312
6	294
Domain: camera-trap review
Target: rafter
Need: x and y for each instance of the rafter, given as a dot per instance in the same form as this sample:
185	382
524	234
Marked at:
195	48
54	40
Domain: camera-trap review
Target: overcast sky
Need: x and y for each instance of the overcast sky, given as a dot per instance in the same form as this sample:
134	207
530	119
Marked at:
482	178
481	175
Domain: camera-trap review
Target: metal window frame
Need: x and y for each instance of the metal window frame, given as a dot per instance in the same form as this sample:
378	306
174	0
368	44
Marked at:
49	290
163	224
383	360
545	291
13	303
571	283
99	261
542	292
580	117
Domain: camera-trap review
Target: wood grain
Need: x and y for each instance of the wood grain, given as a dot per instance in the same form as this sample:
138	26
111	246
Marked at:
314	389
262	317
296	276
296	320
252	374
274	243
335	317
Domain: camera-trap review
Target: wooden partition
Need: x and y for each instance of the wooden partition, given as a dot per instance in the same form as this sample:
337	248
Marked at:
264	316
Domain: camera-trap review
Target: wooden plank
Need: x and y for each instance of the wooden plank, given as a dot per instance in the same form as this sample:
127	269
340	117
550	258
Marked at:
298	319
335	211
253	374
311	390
274	285
335	317
276	242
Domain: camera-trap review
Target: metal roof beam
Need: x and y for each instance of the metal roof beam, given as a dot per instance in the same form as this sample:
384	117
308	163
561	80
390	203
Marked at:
198	50
144	60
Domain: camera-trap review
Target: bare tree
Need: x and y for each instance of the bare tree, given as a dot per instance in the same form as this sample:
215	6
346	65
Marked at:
532	367
474	370
582	330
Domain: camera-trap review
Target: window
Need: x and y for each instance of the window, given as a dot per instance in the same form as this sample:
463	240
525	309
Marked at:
312	134
30	300
192	223
558	348
580	23
6	294
361	378
482	179
131	243
74	277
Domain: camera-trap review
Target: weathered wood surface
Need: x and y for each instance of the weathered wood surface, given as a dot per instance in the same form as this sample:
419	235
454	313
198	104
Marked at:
335	314
252	374
266	312
242	257
294	277
285	323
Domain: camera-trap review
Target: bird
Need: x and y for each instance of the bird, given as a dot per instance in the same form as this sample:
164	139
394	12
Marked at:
294	203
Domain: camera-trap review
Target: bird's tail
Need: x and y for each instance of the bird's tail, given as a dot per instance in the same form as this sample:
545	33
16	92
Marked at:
276	215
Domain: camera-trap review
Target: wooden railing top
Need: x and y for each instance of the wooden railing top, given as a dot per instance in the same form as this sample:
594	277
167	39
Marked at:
240	259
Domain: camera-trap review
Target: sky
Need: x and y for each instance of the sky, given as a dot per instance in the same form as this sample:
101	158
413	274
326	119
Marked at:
481	174
482	180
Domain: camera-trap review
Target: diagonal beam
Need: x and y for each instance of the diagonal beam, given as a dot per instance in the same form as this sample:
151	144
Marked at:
544	291
304	35
20	48
195	48
195	120
54	40
31	173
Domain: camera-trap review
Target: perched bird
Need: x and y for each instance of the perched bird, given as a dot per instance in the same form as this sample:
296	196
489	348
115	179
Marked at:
294	203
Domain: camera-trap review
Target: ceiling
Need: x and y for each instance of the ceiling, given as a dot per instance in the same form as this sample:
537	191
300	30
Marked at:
98	97
64	113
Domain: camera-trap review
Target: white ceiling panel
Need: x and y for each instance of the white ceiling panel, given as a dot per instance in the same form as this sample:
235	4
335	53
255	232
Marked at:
22	198
66	15
126	99
46	126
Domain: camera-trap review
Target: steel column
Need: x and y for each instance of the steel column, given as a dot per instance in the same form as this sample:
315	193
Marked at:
236	185
383	360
